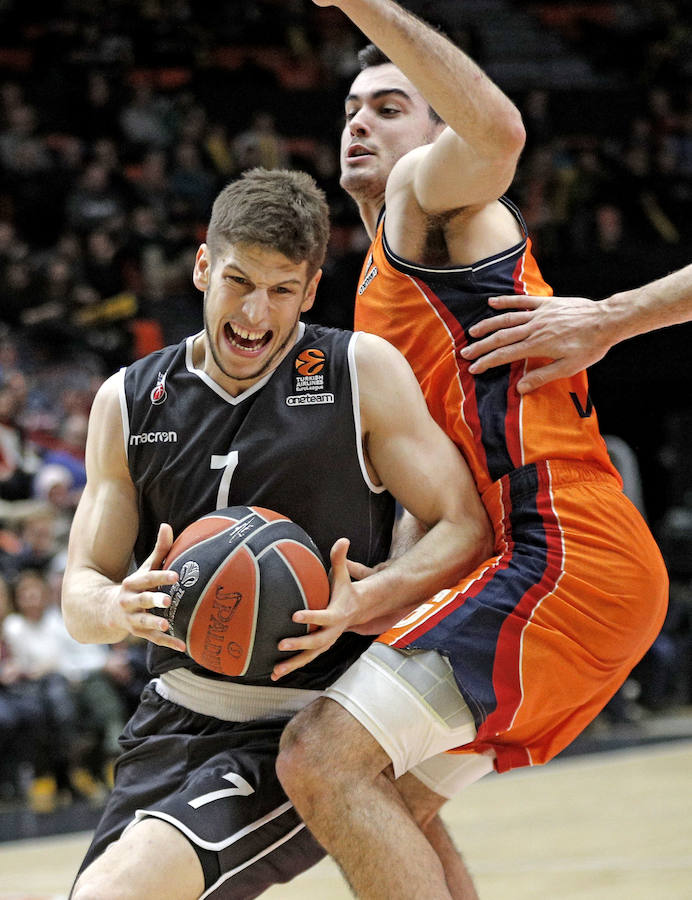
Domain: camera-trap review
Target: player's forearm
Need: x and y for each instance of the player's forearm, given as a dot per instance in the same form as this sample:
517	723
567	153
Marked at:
457	89
443	556
89	606
666	301
407	532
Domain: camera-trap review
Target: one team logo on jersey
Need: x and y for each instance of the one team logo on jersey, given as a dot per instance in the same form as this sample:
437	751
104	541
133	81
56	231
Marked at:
309	379
158	394
309	399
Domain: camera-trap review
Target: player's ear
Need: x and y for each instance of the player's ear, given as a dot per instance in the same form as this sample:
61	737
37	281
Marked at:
310	291
202	270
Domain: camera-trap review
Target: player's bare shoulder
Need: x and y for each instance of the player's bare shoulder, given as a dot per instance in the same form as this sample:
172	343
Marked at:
406	223
456	236
477	233
385	378
375	356
105	442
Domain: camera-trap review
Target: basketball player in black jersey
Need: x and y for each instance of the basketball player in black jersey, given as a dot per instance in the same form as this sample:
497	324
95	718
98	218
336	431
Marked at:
226	418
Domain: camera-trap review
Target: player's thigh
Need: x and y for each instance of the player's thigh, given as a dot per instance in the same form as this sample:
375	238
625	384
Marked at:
422	802
427	787
151	859
326	737
215	783
408	701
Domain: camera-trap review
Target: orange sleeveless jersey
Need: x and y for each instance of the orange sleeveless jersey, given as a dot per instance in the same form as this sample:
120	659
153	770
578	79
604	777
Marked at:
426	314
543	634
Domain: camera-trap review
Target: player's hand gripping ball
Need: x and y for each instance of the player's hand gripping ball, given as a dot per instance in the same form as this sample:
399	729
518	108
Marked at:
243	572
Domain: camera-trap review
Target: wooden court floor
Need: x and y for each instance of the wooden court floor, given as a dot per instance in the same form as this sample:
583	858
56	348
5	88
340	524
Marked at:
609	826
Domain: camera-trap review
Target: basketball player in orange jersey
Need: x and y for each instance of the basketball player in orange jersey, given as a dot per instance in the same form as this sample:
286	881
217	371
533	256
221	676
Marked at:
226	418
542	634
571	333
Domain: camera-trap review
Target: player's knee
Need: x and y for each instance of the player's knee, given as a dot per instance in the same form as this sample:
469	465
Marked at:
319	751
88	888
299	761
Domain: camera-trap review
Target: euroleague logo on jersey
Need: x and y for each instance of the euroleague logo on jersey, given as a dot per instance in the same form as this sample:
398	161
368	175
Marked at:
158	394
310	362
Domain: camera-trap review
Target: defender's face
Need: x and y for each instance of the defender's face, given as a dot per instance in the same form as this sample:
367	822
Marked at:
386	117
253	298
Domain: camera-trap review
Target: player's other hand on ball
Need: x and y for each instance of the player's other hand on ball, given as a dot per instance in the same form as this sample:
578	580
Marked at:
331	622
140	592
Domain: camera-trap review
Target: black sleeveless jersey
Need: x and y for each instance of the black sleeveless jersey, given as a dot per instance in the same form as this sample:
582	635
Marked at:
291	443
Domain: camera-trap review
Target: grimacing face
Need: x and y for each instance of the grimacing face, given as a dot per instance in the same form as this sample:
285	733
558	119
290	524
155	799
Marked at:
253	299
386	117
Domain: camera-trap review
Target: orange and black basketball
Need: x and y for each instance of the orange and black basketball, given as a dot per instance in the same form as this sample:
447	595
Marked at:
243	571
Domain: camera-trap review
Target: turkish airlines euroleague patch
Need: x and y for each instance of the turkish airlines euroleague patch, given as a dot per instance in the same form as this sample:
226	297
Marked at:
310	379
309	373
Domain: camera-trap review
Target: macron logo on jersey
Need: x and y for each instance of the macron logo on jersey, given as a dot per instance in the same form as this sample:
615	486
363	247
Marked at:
154	437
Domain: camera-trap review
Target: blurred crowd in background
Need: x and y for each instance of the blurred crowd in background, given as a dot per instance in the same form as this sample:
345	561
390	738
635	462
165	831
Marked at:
119	122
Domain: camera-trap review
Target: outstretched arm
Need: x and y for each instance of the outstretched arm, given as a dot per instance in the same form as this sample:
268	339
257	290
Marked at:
479	149
572	331
101	602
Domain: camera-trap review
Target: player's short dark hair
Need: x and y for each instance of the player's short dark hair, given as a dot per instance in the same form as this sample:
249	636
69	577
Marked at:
280	209
371	55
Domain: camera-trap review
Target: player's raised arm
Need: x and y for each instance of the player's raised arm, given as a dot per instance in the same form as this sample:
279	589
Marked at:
101	603
473	160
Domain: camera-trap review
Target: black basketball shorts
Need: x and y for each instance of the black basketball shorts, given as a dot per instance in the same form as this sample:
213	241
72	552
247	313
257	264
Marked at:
215	781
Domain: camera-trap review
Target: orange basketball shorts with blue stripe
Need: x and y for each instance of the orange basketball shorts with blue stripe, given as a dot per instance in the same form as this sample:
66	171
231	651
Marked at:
542	635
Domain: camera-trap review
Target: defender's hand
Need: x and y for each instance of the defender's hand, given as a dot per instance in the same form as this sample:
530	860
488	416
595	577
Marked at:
331	622
570	331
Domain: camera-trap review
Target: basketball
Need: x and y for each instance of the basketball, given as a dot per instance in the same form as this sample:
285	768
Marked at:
243	571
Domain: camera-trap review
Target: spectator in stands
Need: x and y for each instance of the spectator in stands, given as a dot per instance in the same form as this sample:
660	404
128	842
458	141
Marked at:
149	183
38	536
18	459
17	285
34	634
260	144
12	248
20	141
17	721
93	202
88	683
145	119
193	184
70	447
54	485
99	115
103	267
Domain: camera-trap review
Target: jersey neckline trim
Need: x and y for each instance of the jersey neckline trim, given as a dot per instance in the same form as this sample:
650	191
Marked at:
209	381
406	265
